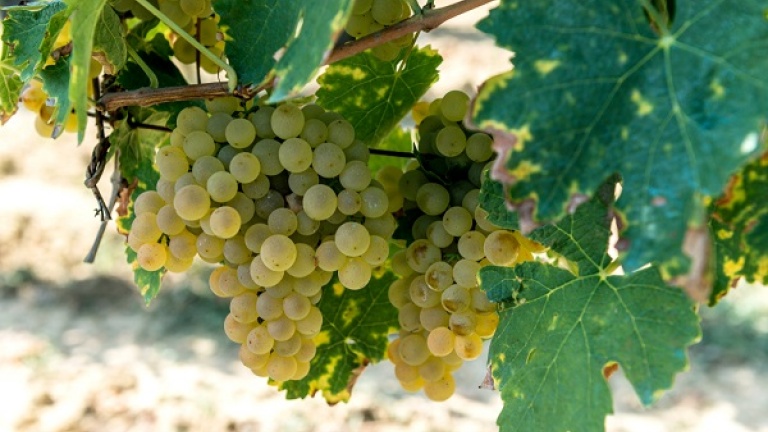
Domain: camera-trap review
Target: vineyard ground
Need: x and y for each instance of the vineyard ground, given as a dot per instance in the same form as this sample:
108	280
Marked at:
79	352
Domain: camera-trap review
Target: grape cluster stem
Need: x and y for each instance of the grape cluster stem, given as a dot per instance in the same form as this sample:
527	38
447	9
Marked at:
428	20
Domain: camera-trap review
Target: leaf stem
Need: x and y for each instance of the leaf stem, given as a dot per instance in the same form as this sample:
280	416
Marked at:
428	20
192	41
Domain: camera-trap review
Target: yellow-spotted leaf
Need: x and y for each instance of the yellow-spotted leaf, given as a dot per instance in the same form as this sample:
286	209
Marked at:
354	334
673	100
563	328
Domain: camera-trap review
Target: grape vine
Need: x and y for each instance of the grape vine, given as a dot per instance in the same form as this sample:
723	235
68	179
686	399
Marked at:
491	222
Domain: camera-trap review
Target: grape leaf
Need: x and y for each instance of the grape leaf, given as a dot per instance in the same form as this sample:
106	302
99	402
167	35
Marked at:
26	30
354	334
493	200
109	38
56	84
318	30
375	95
595	91
258	31
137	148
10	89
739	229
86	15
563	328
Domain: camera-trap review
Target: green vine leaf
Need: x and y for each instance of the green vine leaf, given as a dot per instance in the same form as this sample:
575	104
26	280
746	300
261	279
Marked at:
739	229
110	39
354	334
493	200
10	89
564	328
375	95
31	36
596	90
86	15
56	84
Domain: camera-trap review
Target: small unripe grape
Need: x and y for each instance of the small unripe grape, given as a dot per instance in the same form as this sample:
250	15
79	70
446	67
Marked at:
287	121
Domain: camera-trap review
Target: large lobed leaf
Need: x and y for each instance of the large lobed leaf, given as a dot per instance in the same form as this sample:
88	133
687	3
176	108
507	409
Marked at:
564	328
739	229
354	334
595	91
29	33
375	95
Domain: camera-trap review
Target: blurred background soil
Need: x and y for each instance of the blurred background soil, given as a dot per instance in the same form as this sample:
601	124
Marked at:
79	351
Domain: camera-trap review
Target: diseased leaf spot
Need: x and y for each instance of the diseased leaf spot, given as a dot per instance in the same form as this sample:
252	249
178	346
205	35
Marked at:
644	107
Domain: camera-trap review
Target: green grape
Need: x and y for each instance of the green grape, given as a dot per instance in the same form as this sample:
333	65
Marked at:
198	144
305	261
432	370
174	11
270	202
191	119
205	167
289	348
358	151
360	25
236	331
207	64
319	202
281	328
329	257
481	219
177	138
471	245
251	360
439	276
413	349
361	6
408	317
307	350
387	12
300	182
283	221
374	202
312	111
315	132
468	347
386	52
433	317
400	264
349	202
278	252
311	324
245	167
405	372
184	51
389	177
261	120
225	222
263	275
281	368
382	226
421	294
302	370
305	225
295	155
168	221
183	245
451	141
433	199
226	154
171	163
441	341
487	324
151	256
222	186
242	307
235	252
501	248
177	265
259	341
268	152
440	390
192	7
463	323
282	288
191	202
480	302
355	176
229	283
437	234
255	236
166	189
296	306
421	254
456	298
287	121
341	133
377	252
185	180
328	160
355	273
240	133
33	97
471	200
223	105
352	239
454	105
398	293
209	246
244	274
421	225
258	188
269	307
457	221
479	147
148	202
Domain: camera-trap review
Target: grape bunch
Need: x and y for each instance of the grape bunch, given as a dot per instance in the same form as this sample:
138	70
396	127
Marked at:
281	198
370	16
444	315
